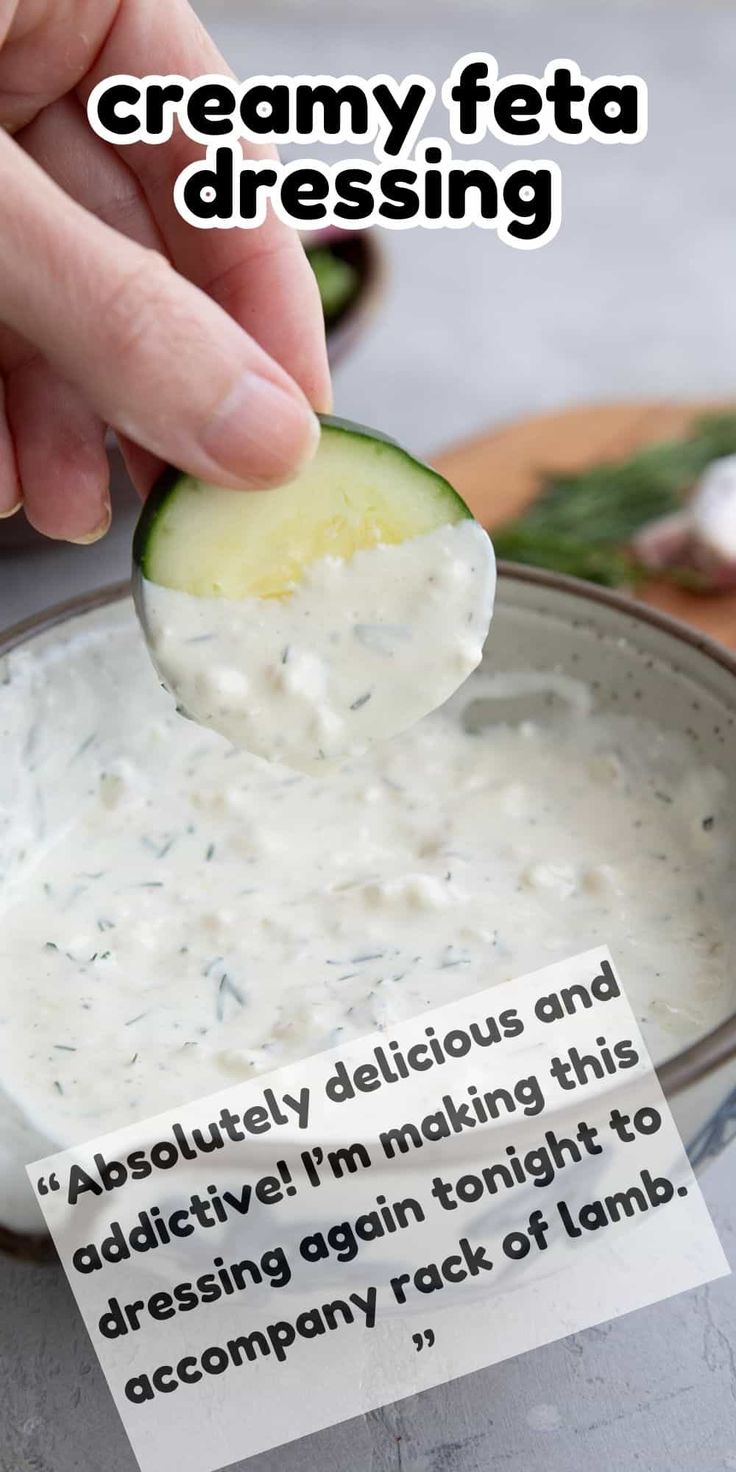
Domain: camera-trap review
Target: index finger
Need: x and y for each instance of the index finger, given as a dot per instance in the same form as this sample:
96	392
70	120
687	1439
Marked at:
261	277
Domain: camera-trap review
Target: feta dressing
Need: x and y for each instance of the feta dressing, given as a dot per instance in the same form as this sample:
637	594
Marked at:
360	649
178	914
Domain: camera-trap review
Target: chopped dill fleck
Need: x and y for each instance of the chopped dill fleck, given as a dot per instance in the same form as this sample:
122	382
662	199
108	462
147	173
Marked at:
210	854
361	700
64	1048
155	846
50	945
84	747
227	987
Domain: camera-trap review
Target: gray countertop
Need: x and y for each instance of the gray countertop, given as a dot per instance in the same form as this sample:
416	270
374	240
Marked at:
636	296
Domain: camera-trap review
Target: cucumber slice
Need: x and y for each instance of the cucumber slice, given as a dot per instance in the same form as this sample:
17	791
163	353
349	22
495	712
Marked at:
359	491
305	622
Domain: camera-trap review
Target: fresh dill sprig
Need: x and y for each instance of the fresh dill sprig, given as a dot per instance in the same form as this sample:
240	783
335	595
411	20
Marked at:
583	523
596	562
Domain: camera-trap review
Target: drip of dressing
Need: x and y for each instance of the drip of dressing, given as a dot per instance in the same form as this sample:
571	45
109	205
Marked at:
178	915
360	650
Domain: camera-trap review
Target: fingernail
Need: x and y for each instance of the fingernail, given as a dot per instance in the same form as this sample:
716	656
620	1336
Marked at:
261	433
94	536
13	509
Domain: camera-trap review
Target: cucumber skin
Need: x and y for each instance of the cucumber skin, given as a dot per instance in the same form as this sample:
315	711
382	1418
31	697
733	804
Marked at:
153	504
170	477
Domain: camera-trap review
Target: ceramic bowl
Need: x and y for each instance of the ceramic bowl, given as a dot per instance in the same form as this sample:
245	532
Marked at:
639	662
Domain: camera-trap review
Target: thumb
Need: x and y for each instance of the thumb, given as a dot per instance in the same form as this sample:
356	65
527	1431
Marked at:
154	356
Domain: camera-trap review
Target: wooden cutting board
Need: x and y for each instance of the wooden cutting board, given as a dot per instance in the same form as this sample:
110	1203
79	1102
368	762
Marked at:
498	474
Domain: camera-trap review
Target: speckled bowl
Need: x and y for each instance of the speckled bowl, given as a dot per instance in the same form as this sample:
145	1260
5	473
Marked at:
638	661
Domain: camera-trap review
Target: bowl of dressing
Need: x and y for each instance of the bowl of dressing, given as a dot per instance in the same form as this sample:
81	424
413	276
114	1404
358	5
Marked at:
179	915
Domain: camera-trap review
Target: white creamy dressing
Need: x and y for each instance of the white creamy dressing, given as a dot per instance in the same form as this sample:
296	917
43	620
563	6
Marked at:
360	650
179	915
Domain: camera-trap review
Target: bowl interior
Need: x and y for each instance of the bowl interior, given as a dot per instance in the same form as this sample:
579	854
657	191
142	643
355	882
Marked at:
636	662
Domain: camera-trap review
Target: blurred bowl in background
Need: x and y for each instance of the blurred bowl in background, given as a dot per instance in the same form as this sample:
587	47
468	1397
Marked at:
350	273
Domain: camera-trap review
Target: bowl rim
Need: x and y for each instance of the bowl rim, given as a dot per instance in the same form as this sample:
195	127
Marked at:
342	333
717	1047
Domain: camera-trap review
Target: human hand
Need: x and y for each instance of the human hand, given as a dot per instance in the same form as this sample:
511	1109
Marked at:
201	348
